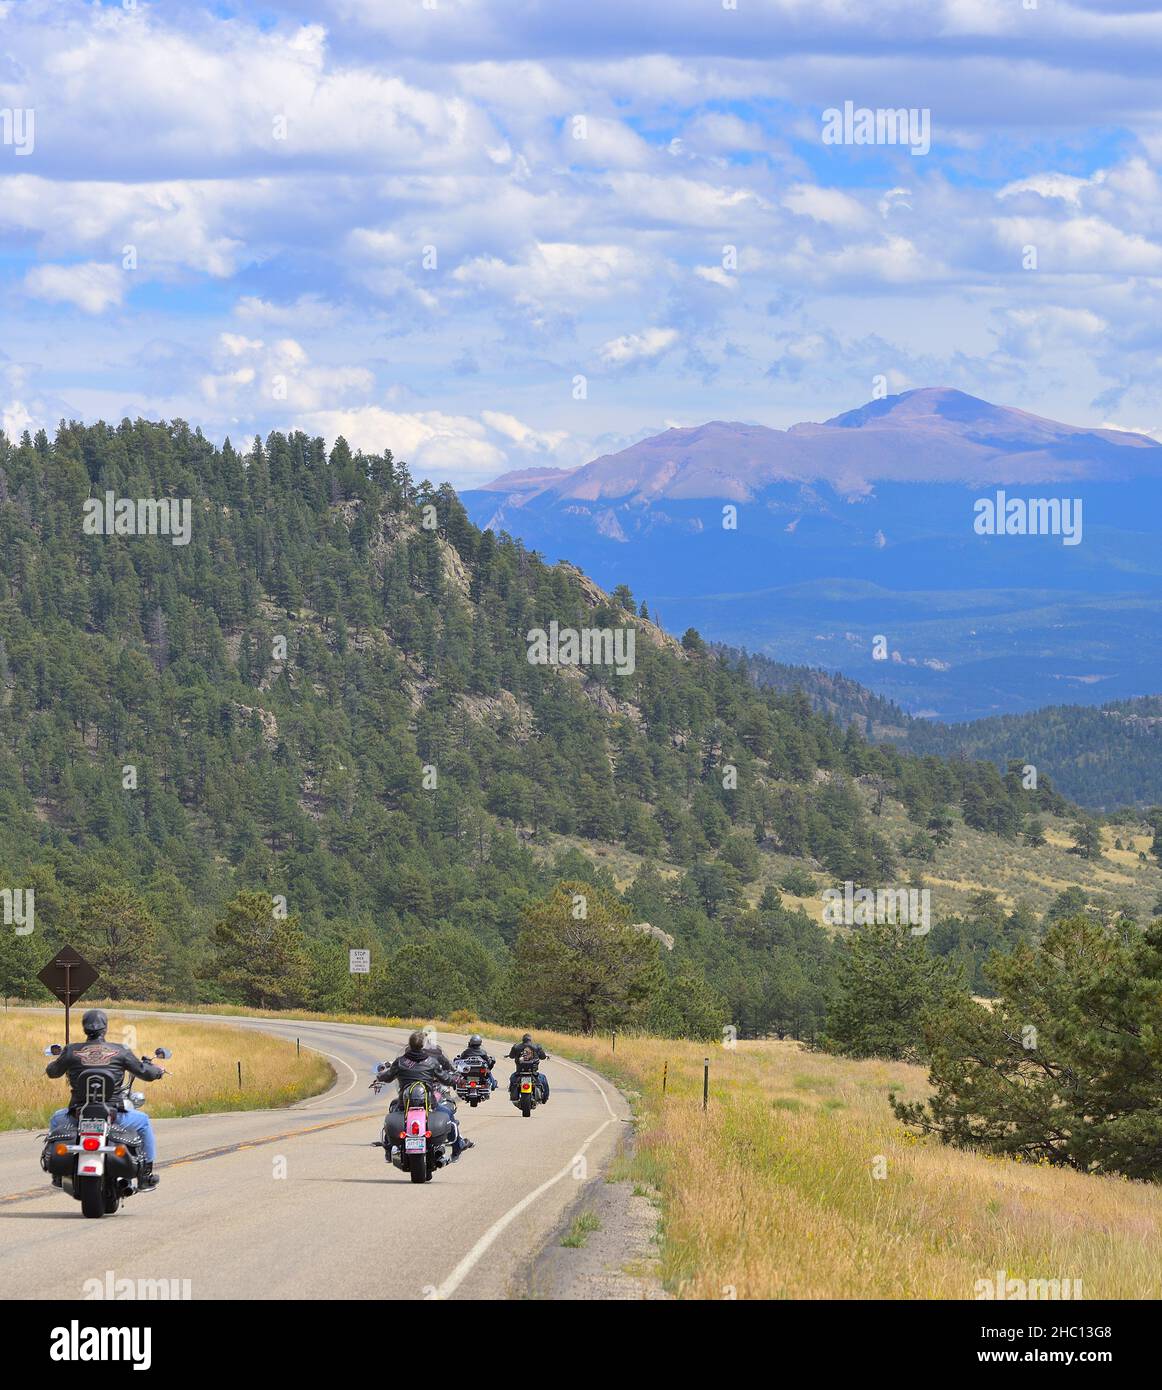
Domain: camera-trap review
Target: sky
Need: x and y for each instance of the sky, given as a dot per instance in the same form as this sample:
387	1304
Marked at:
501	234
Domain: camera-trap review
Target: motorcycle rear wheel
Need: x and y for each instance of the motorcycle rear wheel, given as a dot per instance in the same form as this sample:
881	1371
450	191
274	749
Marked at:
418	1167
526	1108
92	1197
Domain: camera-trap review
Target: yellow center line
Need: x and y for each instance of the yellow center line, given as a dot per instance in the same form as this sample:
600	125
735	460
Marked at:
219	1152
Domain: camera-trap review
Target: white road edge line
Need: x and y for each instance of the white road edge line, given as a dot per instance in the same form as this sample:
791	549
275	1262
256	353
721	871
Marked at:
469	1262
329	1096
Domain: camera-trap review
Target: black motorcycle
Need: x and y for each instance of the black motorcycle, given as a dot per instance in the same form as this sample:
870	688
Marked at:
97	1159
417	1138
525	1087
473	1082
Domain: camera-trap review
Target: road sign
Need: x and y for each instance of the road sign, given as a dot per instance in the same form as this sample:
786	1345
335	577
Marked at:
68	975
360	962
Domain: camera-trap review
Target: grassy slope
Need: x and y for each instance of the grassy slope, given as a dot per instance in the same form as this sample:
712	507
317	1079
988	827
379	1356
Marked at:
971	862
204	1064
772	1192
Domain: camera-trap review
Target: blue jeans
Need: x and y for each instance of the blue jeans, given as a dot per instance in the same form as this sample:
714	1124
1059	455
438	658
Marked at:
130	1119
450	1111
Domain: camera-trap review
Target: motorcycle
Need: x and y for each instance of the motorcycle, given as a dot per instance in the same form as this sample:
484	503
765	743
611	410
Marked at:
97	1160
417	1138
473	1083
525	1092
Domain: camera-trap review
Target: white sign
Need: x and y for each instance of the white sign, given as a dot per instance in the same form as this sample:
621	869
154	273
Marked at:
360	962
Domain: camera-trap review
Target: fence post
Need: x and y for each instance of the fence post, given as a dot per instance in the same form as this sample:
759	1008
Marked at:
615	1040
239	1075
705	1082
665	1069
298	1048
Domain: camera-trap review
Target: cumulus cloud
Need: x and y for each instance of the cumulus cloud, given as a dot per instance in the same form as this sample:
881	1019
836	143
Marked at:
90	286
279	199
638	347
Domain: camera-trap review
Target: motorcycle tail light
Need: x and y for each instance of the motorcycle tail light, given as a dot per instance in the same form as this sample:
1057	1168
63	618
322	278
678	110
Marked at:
415	1127
472	1083
90	1143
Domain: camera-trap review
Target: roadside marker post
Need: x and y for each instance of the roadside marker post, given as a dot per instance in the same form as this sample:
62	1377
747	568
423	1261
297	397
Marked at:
705	1082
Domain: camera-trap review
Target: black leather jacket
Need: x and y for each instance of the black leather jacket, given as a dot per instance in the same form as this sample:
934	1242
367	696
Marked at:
417	1066
110	1059
477	1054
536	1049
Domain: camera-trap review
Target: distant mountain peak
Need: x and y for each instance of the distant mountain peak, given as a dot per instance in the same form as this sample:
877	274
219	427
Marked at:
930	434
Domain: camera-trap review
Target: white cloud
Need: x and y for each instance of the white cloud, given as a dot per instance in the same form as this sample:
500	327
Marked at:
90	286
535	441
828	205
557	273
436	445
638	347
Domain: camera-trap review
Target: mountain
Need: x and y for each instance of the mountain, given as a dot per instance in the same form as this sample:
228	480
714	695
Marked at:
324	695
930	435
806	544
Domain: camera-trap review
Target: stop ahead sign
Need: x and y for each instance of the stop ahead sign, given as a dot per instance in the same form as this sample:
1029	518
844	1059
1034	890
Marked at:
68	975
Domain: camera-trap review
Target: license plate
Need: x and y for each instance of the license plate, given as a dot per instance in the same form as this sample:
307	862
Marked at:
415	1146
91	1127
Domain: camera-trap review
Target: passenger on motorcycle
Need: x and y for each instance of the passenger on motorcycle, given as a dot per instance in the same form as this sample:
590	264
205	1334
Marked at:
95	1053
418	1064
528	1051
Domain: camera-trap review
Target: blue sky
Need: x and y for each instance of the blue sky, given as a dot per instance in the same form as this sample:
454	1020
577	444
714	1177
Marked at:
375	217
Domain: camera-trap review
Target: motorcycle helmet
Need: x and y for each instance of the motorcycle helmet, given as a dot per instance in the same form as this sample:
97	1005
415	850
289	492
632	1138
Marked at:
475	1040
95	1023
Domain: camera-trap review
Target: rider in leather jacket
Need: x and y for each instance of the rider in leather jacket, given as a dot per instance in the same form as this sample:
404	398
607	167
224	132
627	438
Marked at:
96	1053
419	1064
475	1052
535	1053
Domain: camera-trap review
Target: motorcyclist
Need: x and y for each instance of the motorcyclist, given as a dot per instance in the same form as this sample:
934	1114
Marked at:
115	1060
419	1064
475	1052
528	1051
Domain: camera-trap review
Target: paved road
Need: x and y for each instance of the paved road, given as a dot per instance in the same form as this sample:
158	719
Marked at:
342	1223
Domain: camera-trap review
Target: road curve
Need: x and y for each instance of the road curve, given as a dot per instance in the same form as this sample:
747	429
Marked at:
341	1223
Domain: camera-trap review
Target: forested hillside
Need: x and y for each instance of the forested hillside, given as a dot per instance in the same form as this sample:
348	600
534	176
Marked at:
1103	757
326	698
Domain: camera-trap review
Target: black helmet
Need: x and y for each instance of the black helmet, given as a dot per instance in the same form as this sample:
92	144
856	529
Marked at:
527	1037
95	1022
475	1040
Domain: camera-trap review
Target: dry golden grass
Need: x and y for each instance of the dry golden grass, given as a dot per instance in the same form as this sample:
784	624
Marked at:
773	1194
204	1064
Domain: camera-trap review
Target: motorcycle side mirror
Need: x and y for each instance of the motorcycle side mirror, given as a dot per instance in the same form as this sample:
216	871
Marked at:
163	1052
54	1050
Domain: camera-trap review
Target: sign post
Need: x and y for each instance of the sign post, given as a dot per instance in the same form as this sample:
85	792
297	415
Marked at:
68	975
